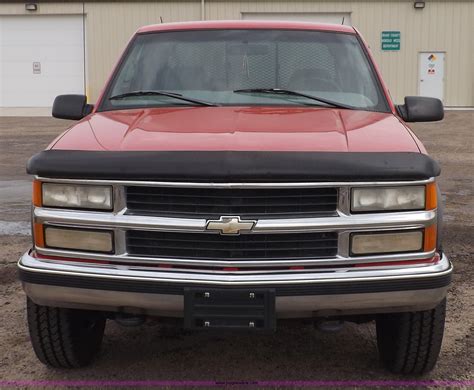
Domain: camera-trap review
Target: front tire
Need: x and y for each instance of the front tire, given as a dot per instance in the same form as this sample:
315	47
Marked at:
409	343
64	338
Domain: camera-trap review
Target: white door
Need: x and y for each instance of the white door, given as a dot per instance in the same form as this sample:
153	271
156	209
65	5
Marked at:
431	74
316	17
41	57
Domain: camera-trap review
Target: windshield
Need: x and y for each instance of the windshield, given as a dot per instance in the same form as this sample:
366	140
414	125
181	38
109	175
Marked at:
214	66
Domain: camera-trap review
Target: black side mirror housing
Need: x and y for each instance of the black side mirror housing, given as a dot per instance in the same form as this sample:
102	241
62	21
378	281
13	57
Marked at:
421	109
73	107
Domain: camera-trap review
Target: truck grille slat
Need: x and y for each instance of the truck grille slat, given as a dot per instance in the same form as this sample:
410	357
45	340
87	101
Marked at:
247	196
219	247
230	247
212	203
224	240
176	202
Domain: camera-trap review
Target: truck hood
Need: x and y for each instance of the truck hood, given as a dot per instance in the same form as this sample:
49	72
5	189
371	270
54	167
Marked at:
239	128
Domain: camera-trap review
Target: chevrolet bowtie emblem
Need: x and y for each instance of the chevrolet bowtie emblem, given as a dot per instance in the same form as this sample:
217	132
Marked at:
230	225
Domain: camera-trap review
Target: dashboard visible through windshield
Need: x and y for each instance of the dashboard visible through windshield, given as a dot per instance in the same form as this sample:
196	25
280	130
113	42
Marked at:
245	68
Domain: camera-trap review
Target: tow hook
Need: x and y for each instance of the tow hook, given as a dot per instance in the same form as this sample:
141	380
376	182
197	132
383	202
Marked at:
329	326
129	320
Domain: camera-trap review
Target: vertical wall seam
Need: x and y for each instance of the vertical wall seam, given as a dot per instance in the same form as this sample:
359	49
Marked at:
84	45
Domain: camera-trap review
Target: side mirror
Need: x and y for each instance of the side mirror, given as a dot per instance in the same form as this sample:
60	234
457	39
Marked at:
71	107
421	109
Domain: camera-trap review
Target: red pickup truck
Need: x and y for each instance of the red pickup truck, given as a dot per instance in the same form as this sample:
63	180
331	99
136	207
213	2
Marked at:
232	174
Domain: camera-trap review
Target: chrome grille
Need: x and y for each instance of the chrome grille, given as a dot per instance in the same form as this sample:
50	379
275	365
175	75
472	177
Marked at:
210	203
228	247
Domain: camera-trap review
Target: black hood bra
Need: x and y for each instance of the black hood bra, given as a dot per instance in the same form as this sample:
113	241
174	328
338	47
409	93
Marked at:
233	166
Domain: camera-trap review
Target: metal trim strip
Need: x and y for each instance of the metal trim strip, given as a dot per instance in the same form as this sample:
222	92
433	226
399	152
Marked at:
237	184
28	262
412	219
248	264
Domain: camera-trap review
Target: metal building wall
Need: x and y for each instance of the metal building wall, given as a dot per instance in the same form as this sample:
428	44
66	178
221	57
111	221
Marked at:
441	26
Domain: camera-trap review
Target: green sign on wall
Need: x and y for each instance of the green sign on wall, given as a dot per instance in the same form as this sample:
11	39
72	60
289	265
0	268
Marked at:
391	40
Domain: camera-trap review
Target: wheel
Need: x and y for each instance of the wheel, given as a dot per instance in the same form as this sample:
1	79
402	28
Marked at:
64	338
409	343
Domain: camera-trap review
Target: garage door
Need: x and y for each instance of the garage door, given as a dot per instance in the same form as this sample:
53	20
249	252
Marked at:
40	58
317	17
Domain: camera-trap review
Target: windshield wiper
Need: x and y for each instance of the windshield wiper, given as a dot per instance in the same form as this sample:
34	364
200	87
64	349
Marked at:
278	91
162	93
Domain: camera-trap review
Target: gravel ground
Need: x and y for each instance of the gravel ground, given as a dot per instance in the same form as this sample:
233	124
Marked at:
296	352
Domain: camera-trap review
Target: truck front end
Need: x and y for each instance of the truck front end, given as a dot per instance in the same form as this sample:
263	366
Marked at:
231	207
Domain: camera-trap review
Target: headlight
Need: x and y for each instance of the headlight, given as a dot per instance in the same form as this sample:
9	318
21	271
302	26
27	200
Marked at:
388	198
78	239
77	196
378	243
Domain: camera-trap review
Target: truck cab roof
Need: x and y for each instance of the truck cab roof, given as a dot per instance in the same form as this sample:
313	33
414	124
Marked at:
246	24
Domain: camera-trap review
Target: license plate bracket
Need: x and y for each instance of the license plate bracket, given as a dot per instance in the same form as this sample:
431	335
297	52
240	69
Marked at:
252	309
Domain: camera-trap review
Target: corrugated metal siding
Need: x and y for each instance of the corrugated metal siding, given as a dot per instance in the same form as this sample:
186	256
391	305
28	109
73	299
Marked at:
441	26
110	25
44	8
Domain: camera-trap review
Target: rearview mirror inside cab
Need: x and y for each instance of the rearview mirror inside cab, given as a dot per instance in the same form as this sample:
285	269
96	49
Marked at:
421	109
71	107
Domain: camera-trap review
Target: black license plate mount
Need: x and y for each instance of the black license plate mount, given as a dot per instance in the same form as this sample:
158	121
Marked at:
210	308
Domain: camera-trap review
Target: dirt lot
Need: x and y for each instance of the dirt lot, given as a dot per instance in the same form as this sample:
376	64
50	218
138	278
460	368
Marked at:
296	351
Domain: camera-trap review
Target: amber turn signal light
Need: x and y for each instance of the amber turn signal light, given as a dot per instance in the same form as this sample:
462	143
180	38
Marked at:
431	196
38	231
430	238
37	193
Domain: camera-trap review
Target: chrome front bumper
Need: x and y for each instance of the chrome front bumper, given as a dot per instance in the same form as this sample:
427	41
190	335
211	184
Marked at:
305	294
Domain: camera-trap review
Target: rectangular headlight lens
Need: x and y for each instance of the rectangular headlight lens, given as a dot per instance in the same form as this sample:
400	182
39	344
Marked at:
388	198
79	239
77	196
366	244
